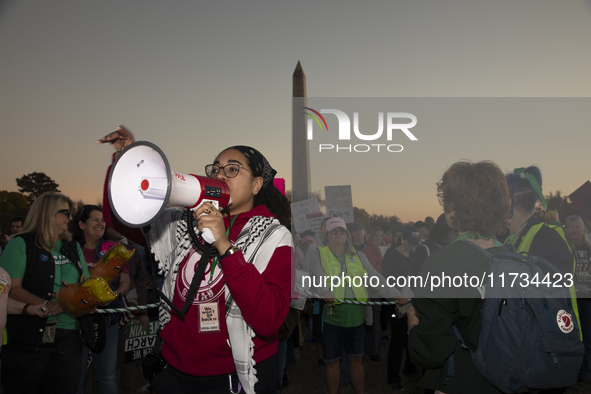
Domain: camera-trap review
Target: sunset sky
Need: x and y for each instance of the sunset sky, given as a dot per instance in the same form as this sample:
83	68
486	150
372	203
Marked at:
194	77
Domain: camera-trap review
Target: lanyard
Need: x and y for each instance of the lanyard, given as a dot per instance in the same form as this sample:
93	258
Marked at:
342	261
343	264
513	238
215	259
466	236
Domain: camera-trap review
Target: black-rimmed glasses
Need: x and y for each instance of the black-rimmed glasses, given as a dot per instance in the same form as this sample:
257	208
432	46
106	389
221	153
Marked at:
440	198
338	231
65	212
230	170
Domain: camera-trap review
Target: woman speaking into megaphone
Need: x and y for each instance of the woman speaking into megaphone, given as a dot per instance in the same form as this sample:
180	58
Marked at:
227	339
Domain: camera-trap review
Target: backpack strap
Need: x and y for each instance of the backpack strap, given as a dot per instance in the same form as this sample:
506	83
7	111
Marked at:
451	373
450	360
459	336
486	252
427	249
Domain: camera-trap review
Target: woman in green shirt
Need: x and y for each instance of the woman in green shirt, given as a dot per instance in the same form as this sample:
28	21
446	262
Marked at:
39	259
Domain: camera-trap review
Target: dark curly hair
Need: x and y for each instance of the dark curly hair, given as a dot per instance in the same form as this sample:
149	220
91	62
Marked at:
82	216
276	202
477	197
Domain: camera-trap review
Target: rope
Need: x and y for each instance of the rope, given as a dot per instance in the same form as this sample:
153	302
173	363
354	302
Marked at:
353	302
305	292
130	308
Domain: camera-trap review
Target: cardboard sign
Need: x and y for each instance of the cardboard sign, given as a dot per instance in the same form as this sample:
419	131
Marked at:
314	221
339	202
139	343
299	210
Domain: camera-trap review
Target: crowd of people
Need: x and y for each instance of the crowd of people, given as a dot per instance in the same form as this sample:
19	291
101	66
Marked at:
226	316
482	207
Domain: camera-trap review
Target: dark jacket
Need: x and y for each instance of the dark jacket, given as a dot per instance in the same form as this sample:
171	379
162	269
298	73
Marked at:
432	341
25	333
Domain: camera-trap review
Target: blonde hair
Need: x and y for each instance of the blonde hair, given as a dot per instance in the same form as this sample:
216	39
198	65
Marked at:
41	220
579	220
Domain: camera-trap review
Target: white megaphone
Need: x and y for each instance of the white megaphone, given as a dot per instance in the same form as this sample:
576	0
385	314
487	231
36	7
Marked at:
142	184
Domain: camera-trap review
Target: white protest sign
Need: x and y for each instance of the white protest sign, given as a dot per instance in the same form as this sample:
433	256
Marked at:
299	210
339	202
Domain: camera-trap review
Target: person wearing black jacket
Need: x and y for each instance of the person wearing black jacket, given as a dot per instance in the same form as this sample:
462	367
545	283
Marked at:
475	201
38	260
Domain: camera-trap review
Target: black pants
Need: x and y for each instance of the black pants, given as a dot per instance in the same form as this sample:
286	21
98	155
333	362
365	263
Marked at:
53	369
174	382
398	342
385	314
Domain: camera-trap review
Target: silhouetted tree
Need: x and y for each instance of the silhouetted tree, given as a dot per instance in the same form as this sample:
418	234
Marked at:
35	184
317	195
385	222
561	203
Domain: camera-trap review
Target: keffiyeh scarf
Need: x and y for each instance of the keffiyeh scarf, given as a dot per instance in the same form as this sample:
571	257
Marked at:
258	240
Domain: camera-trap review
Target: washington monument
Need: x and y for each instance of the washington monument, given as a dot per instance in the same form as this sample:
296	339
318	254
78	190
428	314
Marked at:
300	150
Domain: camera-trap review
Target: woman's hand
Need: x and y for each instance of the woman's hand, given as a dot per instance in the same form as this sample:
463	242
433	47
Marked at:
213	220
119	139
54	308
329	297
39	310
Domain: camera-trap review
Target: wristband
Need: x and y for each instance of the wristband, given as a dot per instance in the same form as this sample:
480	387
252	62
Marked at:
231	250
25	309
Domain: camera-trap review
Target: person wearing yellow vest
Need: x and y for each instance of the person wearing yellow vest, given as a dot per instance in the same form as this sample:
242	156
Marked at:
344	327
576	235
530	234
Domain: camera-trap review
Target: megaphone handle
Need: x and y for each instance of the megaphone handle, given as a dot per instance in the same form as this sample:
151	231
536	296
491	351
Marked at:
207	235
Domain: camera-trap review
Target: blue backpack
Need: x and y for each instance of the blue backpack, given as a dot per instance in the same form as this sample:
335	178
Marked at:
530	336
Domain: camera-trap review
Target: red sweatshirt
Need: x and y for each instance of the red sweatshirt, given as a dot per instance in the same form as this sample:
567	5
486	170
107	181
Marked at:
263	299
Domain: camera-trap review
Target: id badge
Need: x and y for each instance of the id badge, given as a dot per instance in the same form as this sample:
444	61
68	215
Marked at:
209	318
49	332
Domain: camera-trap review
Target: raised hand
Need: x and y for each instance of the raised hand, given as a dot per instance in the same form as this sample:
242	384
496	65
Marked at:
119	139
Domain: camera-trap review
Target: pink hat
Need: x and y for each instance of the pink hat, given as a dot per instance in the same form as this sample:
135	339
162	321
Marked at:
335	223
307	238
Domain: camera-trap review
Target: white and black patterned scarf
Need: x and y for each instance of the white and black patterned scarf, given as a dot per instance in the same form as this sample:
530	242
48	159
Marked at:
258	240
